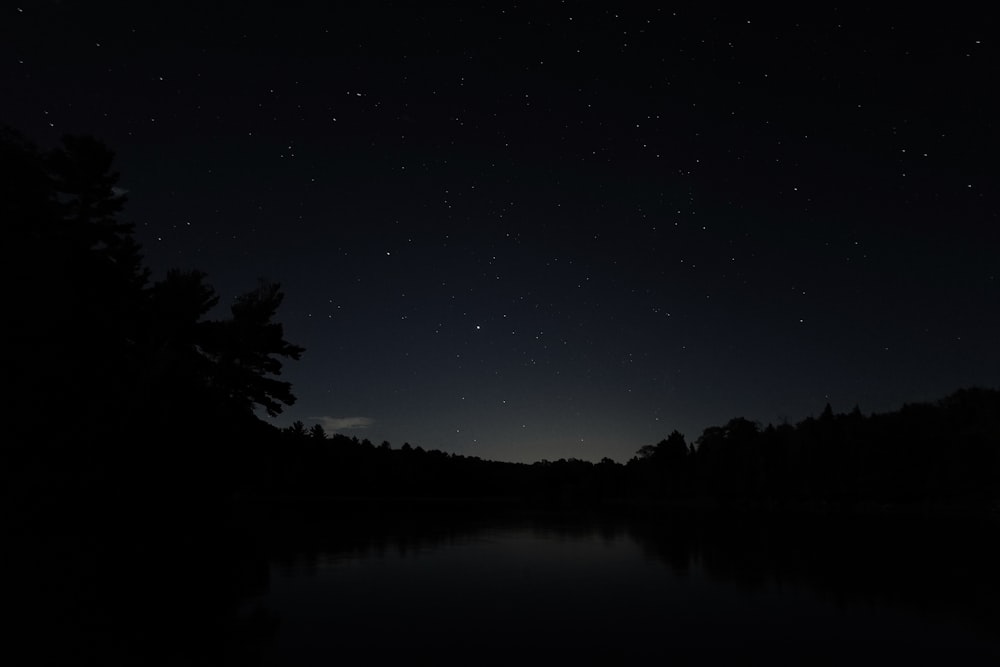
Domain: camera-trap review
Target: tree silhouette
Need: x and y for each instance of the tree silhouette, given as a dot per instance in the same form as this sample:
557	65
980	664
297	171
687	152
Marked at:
297	431
245	349
671	451
80	283
112	356
173	367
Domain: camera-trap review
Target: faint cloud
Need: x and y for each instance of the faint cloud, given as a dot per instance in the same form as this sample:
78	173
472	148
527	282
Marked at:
334	424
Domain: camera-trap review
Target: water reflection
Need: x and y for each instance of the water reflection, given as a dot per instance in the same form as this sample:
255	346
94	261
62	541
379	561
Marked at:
287	588
559	588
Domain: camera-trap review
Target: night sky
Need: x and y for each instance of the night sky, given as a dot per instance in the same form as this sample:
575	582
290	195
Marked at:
524	233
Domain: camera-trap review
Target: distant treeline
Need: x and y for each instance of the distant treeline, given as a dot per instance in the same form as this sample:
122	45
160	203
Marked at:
121	386
945	453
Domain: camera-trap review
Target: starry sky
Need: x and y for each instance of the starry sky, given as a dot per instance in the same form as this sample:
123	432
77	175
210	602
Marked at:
524	232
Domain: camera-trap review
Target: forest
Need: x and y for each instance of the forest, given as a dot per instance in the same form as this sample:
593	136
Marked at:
122	386
942	454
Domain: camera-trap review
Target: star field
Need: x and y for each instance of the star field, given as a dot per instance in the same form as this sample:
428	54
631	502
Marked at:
526	233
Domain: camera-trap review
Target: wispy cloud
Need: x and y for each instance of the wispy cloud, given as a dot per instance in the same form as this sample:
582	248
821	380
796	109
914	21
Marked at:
334	424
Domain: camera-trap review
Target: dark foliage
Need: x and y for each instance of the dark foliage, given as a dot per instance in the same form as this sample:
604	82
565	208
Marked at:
125	404
118	382
936	455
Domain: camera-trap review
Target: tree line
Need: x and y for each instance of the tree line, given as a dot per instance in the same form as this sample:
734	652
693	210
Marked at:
944	453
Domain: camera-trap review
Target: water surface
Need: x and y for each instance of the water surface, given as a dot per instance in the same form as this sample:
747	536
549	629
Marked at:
600	591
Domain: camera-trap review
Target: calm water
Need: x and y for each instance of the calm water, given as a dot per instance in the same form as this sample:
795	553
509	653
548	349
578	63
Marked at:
604	592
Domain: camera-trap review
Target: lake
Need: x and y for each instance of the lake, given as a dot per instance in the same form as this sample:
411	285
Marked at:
557	589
